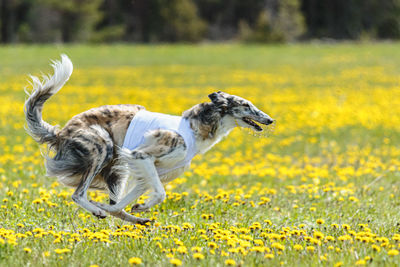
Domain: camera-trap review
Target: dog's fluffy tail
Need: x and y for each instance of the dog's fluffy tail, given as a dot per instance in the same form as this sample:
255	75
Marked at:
40	130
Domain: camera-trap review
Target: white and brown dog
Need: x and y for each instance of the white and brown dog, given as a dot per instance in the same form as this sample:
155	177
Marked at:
102	147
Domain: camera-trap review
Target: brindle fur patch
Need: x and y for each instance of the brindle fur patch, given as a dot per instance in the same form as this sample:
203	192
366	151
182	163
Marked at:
204	119
114	119
162	143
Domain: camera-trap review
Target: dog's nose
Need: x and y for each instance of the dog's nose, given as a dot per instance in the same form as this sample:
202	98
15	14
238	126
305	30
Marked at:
270	121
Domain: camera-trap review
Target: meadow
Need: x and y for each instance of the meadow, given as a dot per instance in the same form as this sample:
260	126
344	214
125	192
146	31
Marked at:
322	190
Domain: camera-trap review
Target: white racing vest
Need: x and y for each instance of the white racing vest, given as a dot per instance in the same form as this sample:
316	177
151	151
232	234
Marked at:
145	121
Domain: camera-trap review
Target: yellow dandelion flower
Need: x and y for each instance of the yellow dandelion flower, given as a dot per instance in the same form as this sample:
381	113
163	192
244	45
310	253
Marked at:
230	262
27	250
298	247
135	261
346	226
360	262
258	249
353	199
182	250
169	255
329	238
310	248
376	248
269	256
37	201
318	235
196	249
278	246
62	250
393	252
212	245
258	242
268	222
198	256
175	262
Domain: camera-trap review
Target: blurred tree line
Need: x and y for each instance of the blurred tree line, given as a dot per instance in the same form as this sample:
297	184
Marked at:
196	20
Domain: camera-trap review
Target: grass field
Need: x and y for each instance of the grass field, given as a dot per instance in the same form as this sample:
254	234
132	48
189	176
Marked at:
322	190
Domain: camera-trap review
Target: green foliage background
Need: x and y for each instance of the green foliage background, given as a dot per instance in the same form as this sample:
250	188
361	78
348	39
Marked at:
149	21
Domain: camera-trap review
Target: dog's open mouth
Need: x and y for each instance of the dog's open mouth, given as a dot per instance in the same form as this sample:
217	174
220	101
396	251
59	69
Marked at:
253	124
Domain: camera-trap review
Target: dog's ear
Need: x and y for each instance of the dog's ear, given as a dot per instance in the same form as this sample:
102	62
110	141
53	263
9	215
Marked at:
218	99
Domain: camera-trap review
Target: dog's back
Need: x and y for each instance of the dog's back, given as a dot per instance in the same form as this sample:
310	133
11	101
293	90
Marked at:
114	119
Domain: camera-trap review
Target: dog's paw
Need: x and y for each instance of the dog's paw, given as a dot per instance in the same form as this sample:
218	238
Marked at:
138	208
103	206
144	221
101	214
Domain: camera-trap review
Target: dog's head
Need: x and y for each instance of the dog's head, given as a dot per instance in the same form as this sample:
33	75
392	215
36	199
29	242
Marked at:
243	111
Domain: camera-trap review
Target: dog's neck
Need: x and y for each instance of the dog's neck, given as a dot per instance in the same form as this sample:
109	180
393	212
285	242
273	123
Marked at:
209	125
226	125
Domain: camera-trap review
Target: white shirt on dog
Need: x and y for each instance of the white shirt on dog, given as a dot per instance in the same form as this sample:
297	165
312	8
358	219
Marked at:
145	121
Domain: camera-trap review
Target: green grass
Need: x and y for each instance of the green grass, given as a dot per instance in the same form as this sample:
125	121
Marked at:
334	155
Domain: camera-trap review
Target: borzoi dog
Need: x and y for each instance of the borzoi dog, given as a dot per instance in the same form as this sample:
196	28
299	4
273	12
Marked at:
102	147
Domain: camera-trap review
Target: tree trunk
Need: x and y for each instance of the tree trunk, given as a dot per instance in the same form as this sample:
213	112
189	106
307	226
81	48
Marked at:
7	14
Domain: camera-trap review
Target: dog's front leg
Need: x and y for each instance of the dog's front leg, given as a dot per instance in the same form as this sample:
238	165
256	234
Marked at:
157	196
144	171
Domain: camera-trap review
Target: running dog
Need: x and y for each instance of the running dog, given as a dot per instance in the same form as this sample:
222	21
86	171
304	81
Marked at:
104	146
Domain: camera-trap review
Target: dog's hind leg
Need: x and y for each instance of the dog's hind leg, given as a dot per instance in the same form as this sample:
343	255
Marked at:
115	180
115	185
80	194
98	141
